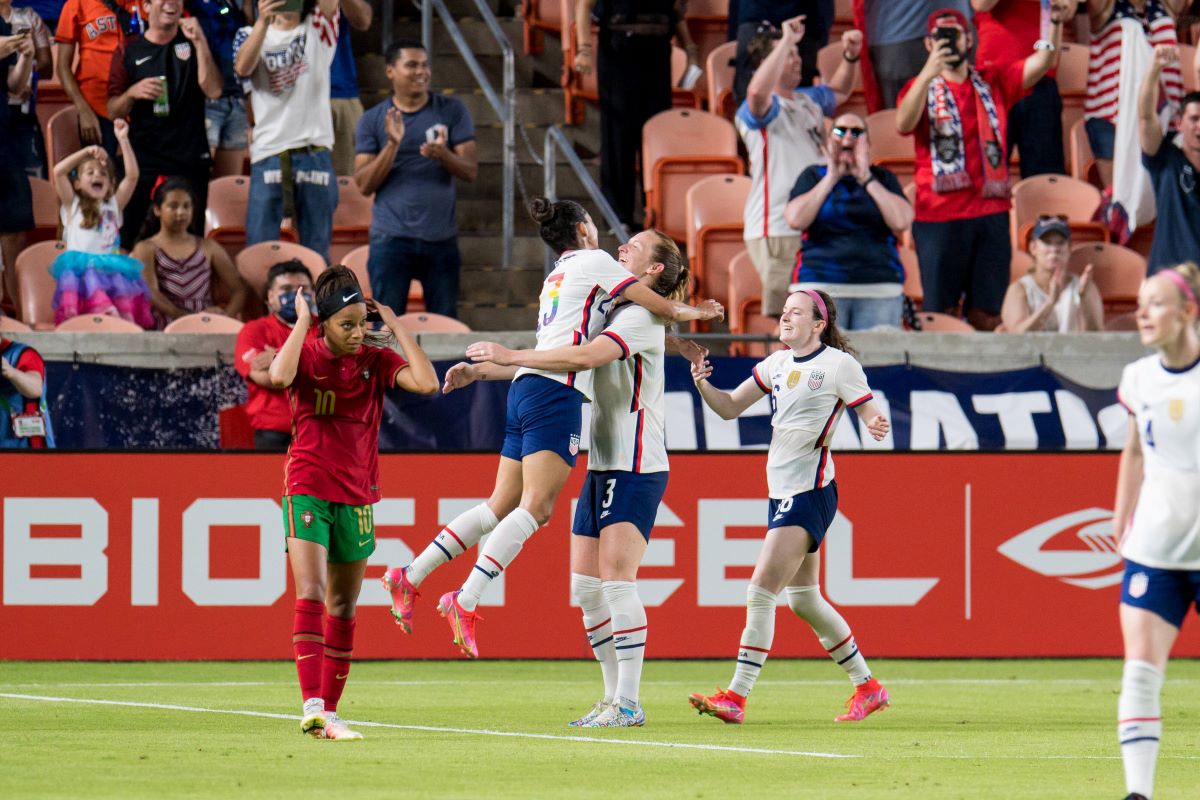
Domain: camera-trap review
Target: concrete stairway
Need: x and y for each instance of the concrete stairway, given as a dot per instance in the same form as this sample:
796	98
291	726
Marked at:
492	298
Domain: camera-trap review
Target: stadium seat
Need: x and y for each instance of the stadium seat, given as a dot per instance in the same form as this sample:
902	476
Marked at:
890	148
683	98
10	325
680	147
1080	161
707	22
1071	74
1187	63
62	135
45	212
745	305
912	276
421	322
936	322
843	18
1117	271
1121	322
356	261
1020	265
225	219
236	432
97	323
718	74
204	323
829	58
255	261
1055	194
576	88
714	209
351	220
541	17
35	284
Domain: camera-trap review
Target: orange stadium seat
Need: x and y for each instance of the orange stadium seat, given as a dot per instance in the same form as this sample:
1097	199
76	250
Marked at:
708	23
1020	265
843	18
1055	194
936	322
745	308
10	325
1071	74
97	323
422	322
829	58
45	211
912	275
225	219
204	323
62	135
35	284
714	208
889	147
351	220
718	74
255	261
1080	160
541	17
683	98
679	148
1117	271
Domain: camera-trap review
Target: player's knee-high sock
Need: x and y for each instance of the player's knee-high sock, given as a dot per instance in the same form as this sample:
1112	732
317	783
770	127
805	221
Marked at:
598	624
756	639
629	638
502	547
1139	724
339	650
463	533
308	645
830	627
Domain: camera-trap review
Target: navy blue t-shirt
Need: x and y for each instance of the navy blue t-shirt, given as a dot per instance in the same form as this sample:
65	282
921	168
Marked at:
848	242
416	199
220	20
343	75
1177	200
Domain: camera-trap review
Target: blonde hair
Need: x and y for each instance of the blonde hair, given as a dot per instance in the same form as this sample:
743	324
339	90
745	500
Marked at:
88	205
1190	272
672	282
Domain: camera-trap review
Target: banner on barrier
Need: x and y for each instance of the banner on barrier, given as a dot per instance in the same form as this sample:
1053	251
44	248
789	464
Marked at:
103	407
181	557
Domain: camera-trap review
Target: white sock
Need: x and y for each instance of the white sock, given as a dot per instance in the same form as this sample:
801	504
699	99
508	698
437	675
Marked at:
463	533
1139	724
314	705
756	639
598	625
830	627
502	547
629	638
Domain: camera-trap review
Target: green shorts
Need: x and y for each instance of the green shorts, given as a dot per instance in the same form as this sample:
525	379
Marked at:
347	532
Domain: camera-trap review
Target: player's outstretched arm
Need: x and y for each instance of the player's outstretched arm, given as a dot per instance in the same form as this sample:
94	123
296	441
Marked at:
672	310
690	350
574	358
283	368
876	423
1129	479
728	405
463	374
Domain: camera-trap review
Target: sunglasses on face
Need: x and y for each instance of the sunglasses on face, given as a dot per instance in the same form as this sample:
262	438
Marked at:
846	130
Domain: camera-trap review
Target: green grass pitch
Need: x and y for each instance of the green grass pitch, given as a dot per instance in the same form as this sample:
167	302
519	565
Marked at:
956	729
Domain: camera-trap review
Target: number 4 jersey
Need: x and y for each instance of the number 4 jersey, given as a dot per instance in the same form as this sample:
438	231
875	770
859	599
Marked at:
337	406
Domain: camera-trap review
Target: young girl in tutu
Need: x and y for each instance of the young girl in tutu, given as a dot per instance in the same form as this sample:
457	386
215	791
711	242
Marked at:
93	276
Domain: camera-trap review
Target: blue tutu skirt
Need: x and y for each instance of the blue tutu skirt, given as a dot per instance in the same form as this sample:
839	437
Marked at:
100	283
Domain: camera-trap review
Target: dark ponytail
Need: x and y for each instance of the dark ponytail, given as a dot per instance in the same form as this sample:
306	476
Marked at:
158	195
558	222
832	335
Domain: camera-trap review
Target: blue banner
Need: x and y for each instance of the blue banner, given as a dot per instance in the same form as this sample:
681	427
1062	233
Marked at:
97	407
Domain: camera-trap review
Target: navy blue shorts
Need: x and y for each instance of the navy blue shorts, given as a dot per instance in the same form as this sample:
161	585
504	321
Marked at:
1102	137
813	511
543	414
613	496
1166	592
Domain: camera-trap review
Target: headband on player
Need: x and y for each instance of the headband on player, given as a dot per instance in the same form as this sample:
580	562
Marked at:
818	302
337	301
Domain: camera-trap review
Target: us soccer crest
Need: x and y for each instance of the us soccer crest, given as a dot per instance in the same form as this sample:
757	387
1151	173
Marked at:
1138	584
183	51
307	518
573	447
1175	409
816	379
793	379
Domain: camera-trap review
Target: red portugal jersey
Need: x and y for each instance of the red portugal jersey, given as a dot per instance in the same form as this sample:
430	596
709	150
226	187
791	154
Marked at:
337	405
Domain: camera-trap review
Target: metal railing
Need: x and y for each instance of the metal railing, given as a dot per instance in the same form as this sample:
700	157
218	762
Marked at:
557	141
505	104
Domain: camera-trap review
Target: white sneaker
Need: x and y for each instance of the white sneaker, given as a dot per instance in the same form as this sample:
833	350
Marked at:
336	728
585	721
313	718
617	717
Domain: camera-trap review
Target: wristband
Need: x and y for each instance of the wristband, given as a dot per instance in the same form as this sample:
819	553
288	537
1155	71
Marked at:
867	182
1044	44
854	60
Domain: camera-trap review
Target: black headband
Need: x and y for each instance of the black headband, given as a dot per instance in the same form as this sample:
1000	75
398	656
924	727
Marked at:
337	301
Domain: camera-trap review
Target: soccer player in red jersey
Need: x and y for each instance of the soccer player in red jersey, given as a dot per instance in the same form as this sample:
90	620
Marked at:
336	384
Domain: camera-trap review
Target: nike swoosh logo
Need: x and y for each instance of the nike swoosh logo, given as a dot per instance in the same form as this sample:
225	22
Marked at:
301	658
364	542
343	677
320	377
141	61
346	299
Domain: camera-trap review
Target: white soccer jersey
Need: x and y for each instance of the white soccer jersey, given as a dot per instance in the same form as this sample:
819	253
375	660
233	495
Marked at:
574	304
1165	532
788	139
808	395
628	408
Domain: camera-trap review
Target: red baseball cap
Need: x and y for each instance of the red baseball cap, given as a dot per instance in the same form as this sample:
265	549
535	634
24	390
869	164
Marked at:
945	14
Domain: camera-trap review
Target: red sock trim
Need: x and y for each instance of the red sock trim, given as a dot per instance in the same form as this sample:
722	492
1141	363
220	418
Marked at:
454	536
339	649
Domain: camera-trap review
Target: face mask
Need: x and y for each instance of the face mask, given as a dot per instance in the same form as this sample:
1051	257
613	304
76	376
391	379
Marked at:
287	306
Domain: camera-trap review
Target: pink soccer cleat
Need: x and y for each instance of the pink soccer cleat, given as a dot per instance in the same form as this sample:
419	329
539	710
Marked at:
404	596
724	705
337	729
867	699
462	623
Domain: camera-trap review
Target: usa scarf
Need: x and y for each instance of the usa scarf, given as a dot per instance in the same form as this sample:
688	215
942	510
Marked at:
946	143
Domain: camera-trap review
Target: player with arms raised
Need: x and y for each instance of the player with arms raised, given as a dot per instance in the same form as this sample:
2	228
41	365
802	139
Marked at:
810	384
336	383
1157	512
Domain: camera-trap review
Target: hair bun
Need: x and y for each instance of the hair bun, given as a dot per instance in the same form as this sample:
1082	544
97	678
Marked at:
541	209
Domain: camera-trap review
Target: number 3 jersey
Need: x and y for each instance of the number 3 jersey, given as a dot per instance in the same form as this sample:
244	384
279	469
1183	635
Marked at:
628	408
574	304
808	395
337	405
1165	530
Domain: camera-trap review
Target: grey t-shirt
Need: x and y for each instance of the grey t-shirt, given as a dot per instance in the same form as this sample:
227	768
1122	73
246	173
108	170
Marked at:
892	21
417	199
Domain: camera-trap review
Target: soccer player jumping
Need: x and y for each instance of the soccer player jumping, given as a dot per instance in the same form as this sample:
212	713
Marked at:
335	384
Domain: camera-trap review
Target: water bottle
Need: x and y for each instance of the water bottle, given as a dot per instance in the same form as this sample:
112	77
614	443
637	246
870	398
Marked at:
135	21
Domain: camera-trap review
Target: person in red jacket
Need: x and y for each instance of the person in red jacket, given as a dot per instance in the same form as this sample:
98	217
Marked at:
257	344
